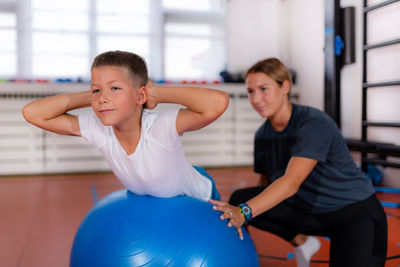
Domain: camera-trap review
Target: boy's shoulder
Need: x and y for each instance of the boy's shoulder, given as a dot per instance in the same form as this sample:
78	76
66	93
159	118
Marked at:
93	130
90	121
149	117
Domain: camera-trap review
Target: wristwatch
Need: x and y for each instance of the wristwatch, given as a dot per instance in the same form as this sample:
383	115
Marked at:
246	211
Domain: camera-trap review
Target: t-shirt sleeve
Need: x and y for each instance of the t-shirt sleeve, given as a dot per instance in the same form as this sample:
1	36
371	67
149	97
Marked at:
314	139
92	129
163	129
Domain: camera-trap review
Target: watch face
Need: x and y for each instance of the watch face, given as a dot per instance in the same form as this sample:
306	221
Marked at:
246	210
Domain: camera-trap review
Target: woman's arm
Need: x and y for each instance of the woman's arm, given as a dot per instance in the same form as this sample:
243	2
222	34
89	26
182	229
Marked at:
50	113
203	105
284	187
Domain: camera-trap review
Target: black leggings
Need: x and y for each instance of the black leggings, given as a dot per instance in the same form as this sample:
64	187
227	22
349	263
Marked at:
358	232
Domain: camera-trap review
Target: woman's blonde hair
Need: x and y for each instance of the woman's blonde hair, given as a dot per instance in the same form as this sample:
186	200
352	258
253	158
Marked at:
274	68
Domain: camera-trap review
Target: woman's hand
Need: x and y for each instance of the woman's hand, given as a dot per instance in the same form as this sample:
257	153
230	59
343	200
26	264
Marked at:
232	213
151	102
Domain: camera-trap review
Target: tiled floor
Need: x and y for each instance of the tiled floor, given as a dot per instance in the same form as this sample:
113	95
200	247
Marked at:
39	216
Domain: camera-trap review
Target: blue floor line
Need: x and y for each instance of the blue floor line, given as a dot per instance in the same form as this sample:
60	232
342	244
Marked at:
390	204
94	193
387	189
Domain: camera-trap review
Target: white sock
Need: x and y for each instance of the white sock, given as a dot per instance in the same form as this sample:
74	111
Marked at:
305	251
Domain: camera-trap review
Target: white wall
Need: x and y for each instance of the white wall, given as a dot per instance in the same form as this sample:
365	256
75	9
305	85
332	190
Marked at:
287	29
294	32
351	81
252	31
304	52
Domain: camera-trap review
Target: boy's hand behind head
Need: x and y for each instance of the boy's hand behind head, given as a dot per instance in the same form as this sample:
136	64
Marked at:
149	83
151	99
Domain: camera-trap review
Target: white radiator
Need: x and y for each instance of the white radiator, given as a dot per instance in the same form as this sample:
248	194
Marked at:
25	149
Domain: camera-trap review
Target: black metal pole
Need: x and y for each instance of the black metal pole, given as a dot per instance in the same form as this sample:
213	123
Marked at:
332	60
364	89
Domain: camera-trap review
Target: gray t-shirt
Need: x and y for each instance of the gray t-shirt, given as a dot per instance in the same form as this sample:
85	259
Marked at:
335	181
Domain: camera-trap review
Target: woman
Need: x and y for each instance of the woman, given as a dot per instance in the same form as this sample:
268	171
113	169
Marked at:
315	187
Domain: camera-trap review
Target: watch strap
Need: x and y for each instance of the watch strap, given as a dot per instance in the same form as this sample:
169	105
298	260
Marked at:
246	212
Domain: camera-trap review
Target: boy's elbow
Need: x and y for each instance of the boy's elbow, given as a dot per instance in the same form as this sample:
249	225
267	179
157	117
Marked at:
27	113
215	107
225	100
222	102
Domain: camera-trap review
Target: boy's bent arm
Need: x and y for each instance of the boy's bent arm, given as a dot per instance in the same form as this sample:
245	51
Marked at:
50	113
203	105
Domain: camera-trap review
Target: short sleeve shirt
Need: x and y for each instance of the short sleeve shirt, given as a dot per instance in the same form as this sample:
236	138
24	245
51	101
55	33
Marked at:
335	181
158	167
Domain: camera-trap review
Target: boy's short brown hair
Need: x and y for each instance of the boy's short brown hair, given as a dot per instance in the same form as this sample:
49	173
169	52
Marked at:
135	65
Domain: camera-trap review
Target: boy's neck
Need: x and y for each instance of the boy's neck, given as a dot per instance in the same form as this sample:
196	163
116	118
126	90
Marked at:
128	140
129	135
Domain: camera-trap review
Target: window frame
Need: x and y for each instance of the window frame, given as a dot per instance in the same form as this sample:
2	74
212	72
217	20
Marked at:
159	16
10	6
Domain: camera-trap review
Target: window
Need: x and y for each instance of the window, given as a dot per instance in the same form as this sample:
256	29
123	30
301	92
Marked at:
8	44
60	39
193	51
204	5
194	39
123	25
178	40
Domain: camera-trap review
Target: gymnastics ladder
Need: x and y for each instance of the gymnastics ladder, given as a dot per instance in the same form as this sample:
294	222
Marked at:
372	152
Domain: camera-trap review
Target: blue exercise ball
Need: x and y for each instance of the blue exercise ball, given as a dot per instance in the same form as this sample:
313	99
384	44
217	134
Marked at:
124	229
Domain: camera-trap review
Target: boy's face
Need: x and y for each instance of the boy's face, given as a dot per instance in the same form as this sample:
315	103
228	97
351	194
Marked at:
115	100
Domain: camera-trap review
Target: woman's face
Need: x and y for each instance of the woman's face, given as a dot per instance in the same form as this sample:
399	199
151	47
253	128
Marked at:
266	96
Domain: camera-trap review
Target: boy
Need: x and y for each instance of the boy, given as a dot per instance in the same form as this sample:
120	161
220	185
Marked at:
143	148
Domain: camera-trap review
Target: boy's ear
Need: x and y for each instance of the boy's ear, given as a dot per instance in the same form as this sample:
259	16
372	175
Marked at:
142	96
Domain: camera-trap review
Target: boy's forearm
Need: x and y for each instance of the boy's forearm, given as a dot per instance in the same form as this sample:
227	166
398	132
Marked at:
194	98
51	107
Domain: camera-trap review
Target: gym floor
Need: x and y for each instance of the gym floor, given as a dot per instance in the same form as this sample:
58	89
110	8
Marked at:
40	215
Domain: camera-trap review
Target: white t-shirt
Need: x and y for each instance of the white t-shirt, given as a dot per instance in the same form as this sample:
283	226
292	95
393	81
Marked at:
158	167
